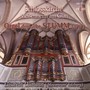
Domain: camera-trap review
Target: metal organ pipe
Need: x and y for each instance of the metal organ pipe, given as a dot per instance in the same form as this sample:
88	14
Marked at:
52	69
46	42
32	37
61	42
53	62
31	70
58	69
44	70
24	42
35	69
39	69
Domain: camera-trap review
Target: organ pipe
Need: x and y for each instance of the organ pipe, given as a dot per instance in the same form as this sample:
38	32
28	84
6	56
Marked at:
61	42
31	69
44	70
52	69
32	37
24	42
35	69
39	69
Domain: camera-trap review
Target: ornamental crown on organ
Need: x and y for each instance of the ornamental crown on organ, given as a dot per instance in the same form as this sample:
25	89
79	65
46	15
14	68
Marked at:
59	42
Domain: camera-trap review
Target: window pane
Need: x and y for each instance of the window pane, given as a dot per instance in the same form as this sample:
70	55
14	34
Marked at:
88	55
0	60
66	60
17	59
24	61
73	59
2	54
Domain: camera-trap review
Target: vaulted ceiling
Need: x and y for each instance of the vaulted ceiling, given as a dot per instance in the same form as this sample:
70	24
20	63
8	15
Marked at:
44	11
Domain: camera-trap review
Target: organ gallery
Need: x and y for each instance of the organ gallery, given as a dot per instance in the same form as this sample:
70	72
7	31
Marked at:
43	56
44	50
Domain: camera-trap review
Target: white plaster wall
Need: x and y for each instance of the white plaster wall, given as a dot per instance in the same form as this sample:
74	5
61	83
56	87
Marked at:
16	74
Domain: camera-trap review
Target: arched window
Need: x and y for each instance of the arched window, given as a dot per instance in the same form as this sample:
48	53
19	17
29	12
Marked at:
84	38
1	55
88	47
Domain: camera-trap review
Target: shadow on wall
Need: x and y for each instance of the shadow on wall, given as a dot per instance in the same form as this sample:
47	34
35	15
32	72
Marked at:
66	89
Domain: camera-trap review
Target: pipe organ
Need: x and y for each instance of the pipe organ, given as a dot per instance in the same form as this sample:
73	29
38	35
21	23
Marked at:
43	61
35	42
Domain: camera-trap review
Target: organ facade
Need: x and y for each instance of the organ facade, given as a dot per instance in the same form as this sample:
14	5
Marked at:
45	57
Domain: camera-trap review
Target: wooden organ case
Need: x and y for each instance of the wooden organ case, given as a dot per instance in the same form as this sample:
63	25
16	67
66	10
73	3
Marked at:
45	57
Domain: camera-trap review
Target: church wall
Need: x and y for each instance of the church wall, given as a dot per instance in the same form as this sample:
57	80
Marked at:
5	71
77	74
74	75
